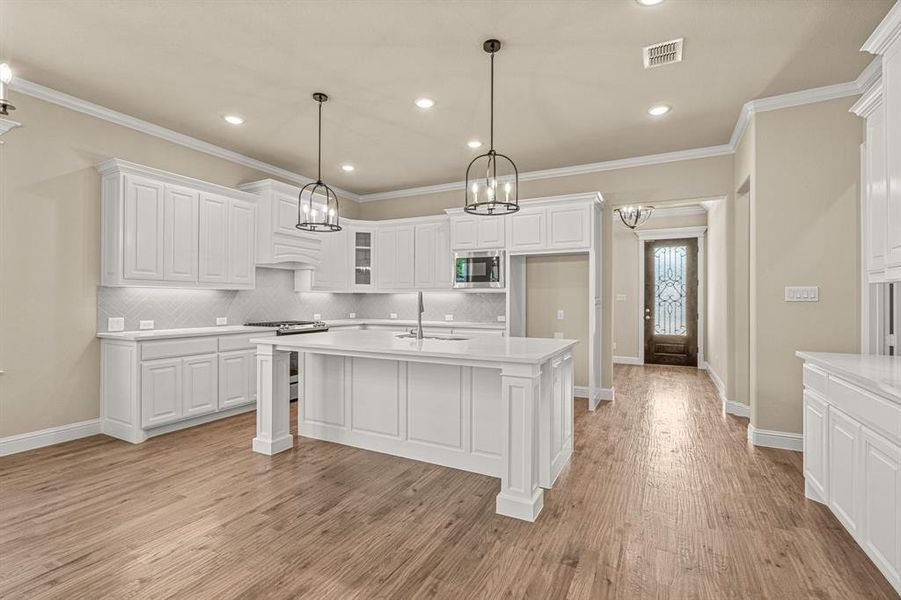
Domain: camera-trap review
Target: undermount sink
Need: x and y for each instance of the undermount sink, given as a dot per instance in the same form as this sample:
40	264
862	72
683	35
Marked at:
446	338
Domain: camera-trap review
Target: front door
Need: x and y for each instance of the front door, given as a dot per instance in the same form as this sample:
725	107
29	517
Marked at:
671	302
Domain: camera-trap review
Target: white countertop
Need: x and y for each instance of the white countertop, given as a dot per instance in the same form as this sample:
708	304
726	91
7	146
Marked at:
477	347
876	373
159	334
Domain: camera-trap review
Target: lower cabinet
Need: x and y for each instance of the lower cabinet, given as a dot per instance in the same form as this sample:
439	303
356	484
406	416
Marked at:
178	388
844	468
237	378
880	526
815	432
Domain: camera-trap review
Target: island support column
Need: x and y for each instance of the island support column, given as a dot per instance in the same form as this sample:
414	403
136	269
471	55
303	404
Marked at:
273	402
520	496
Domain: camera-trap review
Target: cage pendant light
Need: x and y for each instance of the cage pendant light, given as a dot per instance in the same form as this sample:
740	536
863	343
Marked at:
317	203
492	179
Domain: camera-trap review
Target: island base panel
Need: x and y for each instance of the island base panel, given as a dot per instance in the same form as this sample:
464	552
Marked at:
273	401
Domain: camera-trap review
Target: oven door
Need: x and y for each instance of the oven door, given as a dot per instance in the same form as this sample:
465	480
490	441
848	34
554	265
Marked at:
479	269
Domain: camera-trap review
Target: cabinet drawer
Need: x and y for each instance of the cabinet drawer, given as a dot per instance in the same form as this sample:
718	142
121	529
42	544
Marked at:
815	379
877	413
240	341
179	347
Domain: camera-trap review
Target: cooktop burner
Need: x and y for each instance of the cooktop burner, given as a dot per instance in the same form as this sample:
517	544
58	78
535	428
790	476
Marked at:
291	327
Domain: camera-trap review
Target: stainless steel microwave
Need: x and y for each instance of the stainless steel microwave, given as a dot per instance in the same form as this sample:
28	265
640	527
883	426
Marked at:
483	269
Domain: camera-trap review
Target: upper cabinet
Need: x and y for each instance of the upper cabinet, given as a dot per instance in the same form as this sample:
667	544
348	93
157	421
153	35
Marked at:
550	225
433	259
880	105
396	257
474	232
165	230
333	271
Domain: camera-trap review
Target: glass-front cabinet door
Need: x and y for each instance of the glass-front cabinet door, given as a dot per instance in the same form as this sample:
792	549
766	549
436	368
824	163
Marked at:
364	258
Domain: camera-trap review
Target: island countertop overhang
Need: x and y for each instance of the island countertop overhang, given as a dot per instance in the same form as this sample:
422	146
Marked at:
477	347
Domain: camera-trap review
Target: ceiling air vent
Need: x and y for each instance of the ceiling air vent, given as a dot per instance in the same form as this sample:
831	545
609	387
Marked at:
664	53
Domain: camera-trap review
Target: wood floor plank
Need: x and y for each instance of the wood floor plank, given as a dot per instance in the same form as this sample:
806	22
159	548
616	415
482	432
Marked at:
663	498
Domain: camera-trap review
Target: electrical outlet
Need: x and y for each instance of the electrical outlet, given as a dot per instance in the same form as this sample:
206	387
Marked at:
614	345
558	335
501	318
351	315
559	315
393	315
802	294
145	324
448	317
620	297
115	324
317	317
221	320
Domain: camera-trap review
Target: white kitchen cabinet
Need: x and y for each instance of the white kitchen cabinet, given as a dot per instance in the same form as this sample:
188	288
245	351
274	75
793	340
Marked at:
475	232
334	270
876	195
569	225
444	258
880	528
550	225
199	385
815	446
433	260
159	229
161	392
843	447
891	82
144	208
180	234
363	254
237	378
528	229
395	257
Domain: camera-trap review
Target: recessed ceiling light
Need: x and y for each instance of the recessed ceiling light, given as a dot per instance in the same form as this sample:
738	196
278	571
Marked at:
649	2
347	168
474	144
233	119
425	102
659	110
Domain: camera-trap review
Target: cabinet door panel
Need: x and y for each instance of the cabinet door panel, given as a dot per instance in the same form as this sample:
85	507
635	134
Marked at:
491	232
527	229
213	267
144	227
465	235
334	269
425	262
891	85
876	189
843	465
444	258
569	226
387	258
241	241
237	379
180	227
404	257
815	444
200	385
881	523
161	392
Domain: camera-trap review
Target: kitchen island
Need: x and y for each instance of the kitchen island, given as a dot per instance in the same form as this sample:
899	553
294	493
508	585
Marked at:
493	405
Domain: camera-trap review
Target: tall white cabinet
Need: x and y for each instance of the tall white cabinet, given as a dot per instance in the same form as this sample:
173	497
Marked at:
159	229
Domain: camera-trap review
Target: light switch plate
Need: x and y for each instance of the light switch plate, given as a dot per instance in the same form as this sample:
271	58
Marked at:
115	324
802	293
560	315
317	317
620	297
221	320
393	315
501	318
448	317
351	315
558	335
145	324
614	345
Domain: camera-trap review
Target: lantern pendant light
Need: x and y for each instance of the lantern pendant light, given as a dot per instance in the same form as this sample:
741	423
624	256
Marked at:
321	215
633	216
492	179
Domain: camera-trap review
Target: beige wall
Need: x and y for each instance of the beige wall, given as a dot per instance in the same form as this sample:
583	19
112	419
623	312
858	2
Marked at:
559	283
717	351
804	231
50	255
625	280
739	386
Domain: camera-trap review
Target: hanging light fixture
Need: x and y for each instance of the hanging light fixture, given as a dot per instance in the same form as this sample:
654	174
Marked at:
6	76
321	216
633	216
497	192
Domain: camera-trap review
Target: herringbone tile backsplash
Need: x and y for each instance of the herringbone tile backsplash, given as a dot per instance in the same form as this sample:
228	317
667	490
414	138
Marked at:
274	298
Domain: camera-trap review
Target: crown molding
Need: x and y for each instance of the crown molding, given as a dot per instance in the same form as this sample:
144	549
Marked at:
101	112
677	211
610	165
869	101
885	33
7	124
117	165
672	233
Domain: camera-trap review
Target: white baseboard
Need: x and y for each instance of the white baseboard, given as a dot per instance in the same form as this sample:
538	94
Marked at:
736	408
627	360
783	440
608	393
47	437
581	391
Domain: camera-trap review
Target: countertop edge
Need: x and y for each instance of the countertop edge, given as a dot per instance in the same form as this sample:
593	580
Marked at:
886	391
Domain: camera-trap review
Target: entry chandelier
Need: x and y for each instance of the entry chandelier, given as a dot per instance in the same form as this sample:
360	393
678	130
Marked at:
318	214
497	192
633	216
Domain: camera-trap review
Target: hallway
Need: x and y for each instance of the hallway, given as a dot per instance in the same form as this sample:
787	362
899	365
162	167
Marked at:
663	498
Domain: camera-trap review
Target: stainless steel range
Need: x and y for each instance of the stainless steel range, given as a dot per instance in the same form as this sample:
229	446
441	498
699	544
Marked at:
291	327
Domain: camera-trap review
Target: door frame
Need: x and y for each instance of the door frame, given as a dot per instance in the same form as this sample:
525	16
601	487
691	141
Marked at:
673	233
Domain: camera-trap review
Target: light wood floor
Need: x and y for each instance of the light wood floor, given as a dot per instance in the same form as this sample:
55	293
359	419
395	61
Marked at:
663	498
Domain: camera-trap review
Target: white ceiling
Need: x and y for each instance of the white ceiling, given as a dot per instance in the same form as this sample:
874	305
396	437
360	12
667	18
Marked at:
571	88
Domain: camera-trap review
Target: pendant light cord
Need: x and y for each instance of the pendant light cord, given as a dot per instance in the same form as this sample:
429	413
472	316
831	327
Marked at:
491	135
319	157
